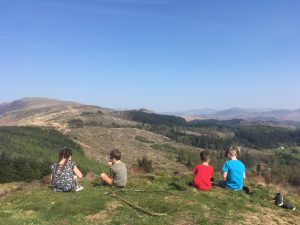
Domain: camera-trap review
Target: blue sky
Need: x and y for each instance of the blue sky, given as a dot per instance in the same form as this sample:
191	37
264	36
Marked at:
164	55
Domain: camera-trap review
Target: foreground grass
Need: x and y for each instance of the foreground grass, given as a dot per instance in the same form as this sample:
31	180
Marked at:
182	204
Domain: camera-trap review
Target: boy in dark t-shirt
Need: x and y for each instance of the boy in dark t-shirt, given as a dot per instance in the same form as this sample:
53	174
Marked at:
203	172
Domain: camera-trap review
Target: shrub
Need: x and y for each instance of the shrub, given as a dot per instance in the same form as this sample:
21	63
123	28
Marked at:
145	164
75	123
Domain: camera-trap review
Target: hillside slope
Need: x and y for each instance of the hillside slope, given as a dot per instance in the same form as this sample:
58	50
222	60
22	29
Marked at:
95	129
97	141
181	204
52	113
27	152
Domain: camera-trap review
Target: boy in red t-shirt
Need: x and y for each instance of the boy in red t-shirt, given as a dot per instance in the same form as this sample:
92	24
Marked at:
203	172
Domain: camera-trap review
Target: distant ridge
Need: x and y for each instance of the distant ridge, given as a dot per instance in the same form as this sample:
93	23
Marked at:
32	103
259	114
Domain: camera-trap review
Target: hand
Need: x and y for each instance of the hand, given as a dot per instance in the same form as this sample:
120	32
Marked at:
109	164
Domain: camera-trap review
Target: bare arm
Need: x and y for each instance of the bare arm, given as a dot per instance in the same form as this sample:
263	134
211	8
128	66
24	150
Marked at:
244	175
77	172
224	175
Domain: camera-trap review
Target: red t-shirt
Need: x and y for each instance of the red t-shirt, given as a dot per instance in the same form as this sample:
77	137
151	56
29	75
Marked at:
202	175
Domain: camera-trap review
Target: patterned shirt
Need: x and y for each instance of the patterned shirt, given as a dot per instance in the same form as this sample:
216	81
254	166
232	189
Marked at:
63	178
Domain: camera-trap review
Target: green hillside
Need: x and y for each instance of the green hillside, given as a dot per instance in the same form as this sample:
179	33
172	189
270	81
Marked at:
163	194
27	152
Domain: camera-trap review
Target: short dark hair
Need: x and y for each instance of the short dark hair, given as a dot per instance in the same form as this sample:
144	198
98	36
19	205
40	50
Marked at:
204	155
115	154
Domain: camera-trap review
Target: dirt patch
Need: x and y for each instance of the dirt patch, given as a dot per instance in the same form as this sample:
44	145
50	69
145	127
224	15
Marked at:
28	213
112	205
6	189
104	215
269	216
99	216
91	176
135	170
46	179
185	219
206	211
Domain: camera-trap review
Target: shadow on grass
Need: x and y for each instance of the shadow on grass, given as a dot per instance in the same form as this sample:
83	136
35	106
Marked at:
177	187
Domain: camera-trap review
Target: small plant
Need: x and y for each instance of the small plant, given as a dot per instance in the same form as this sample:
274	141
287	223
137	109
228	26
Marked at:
145	164
75	123
142	139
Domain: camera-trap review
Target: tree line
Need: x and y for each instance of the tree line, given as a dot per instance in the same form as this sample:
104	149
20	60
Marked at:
27	152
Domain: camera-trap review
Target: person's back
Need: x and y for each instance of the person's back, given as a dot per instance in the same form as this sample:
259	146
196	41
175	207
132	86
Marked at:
203	172
62	176
233	170
119	174
118	171
62	173
235	174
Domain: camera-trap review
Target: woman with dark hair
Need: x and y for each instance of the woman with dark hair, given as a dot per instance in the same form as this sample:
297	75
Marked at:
65	172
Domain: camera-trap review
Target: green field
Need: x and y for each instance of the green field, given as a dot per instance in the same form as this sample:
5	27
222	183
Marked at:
181	204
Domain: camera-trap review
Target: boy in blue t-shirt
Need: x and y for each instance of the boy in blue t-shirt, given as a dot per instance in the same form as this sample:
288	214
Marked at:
233	170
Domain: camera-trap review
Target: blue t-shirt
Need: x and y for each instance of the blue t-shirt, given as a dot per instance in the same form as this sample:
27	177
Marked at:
235	174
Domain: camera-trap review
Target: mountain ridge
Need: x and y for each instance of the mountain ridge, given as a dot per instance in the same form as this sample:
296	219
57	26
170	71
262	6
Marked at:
243	113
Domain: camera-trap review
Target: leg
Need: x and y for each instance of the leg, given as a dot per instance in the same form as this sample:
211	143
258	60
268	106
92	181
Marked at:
78	187
222	183
247	190
106	179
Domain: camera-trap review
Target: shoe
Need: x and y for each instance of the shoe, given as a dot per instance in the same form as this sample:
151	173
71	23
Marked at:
79	188
288	206
247	190
278	199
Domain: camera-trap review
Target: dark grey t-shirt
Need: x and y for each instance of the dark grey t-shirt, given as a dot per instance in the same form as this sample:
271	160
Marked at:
118	173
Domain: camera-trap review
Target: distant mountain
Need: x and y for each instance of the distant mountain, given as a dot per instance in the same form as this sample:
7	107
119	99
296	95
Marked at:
31	103
232	112
195	112
259	114
43	112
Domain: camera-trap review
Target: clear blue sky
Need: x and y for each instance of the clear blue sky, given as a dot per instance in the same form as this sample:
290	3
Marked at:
164	55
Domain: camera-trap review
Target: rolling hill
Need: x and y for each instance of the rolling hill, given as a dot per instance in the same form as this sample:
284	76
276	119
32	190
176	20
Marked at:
95	129
50	124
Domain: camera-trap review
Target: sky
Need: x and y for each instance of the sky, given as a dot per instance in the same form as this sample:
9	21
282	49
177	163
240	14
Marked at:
163	55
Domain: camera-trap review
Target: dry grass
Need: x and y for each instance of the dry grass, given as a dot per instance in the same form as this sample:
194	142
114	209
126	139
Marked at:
270	217
97	141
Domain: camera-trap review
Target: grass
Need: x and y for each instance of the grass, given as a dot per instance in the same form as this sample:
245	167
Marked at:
183	205
142	139
164	147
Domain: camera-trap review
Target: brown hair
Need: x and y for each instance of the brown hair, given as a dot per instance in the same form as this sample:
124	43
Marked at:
115	154
205	156
64	153
232	151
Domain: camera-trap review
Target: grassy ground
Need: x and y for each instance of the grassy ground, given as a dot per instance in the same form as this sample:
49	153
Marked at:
182	204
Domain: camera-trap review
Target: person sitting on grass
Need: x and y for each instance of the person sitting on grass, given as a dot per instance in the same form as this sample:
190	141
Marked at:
65	172
118	171
203	172
233	170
